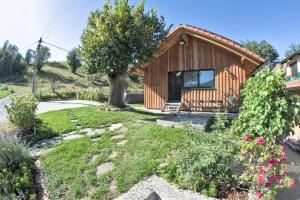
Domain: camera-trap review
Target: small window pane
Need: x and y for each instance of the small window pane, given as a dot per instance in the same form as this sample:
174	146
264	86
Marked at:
294	69
179	79
207	78
190	79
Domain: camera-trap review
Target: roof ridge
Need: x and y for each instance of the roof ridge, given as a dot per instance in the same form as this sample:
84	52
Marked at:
218	37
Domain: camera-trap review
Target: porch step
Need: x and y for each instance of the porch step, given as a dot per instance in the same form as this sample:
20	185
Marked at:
171	107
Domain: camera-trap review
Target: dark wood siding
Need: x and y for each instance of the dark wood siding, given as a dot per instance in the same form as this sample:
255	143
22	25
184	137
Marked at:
196	54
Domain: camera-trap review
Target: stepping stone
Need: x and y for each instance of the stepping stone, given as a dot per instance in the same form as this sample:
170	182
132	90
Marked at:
112	187
74	120
95	139
73	137
96	132
115	127
117	137
163	165
113	155
104	168
123	129
86	130
153	196
99	131
122	142
71	133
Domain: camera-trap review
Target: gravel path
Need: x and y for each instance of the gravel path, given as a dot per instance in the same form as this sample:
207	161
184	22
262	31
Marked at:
165	190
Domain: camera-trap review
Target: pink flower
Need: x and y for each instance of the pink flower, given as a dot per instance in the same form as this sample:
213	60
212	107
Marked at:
261	171
292	183
268	184
244	152
281	181
274	176
282	149
246	137
284	172
260	180
260	140
259	194
270	165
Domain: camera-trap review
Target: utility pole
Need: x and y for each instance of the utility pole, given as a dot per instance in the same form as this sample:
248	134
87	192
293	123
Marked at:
34	81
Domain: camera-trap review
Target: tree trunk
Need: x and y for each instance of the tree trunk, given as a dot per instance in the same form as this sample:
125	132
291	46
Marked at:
116	90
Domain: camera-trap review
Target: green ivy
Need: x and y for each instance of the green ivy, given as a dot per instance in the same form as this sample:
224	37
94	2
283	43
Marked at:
267	107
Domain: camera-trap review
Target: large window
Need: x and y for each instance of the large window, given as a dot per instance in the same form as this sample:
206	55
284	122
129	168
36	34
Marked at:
199	79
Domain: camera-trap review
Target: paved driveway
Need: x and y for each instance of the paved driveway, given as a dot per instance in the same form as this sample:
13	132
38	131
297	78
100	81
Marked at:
47	106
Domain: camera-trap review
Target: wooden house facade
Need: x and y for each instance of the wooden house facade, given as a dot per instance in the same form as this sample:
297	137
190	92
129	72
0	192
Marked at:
198	69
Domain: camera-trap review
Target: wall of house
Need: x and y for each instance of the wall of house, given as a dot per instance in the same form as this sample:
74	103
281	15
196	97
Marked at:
196	54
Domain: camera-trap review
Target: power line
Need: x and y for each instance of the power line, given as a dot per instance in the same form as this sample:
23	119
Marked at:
55	16
27	46
66	14
56	46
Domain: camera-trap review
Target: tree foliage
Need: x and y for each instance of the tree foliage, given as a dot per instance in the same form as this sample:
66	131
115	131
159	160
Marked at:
120	35
73	60
42	58
11	61
263	48
29	57
292	49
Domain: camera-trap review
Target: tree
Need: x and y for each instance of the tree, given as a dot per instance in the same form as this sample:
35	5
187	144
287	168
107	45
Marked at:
120	36
29	57
292	49
263	48
73	60
11	61
43	57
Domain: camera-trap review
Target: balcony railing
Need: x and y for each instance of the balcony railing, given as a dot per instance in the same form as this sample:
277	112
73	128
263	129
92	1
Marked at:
289	78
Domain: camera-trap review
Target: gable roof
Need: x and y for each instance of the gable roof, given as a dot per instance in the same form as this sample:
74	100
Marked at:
210	37
290	57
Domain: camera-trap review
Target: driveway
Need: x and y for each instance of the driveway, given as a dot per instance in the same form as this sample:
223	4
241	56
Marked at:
47	106
3	114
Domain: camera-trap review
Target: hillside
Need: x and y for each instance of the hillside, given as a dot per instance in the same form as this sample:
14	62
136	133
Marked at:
67	84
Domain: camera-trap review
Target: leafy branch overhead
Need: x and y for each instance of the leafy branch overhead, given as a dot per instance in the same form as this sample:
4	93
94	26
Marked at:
119	36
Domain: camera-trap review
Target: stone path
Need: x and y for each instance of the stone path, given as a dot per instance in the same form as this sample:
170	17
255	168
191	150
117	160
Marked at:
39	180
104	168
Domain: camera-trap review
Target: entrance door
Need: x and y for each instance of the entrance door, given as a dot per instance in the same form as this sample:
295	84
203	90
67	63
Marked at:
175	82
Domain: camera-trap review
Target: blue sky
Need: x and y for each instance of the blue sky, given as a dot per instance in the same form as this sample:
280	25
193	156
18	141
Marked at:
61	21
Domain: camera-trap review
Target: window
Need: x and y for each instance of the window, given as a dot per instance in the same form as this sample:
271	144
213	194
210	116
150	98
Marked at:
199	79
294	69
207	79
190	79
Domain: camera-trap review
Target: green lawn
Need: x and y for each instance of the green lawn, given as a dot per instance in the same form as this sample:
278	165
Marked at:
3	93
69	170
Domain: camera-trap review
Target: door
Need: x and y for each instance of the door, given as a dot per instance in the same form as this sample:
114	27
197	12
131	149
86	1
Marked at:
175	82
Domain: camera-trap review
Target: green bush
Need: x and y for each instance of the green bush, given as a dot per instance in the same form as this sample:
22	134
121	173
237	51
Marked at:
203	165
21	112
93	95
16	170
268	107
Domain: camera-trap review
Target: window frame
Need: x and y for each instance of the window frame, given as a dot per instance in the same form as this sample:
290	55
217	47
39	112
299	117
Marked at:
198	80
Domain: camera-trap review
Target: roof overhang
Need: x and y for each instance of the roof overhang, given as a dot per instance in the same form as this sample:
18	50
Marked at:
181	32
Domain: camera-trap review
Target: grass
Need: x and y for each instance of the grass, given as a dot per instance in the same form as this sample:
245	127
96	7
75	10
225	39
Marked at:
68	170
65	81
3	93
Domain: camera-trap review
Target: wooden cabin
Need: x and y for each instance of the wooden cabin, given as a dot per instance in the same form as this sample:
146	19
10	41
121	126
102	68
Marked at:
195	70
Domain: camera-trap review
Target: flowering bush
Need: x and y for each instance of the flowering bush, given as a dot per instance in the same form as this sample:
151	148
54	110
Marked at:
268	111
266	166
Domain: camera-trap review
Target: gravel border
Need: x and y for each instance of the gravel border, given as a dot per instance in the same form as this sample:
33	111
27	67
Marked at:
164	189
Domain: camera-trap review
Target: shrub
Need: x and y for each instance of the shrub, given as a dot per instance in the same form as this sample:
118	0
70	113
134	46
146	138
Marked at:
268	111
203	164
16	170
220	121
21	112
93	95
